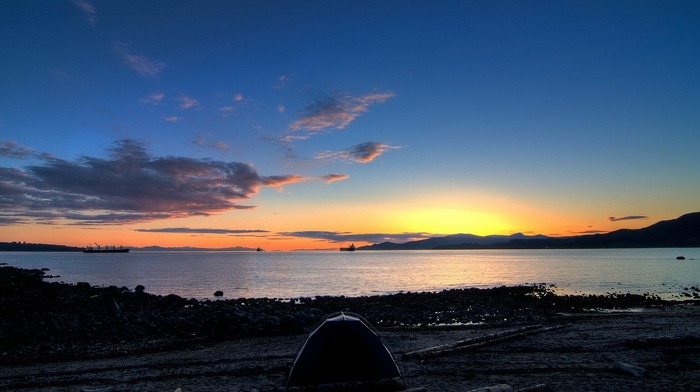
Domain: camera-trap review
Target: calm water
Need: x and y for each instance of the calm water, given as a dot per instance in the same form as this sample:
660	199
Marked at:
297	274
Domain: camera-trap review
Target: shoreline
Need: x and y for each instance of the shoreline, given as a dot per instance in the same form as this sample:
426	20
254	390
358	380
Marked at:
57	337
56	321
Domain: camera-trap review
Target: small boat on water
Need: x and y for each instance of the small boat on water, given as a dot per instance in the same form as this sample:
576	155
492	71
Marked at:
105	249
350	248
259	249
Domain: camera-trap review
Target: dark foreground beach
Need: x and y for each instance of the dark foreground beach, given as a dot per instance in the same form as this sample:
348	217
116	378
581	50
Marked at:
61	337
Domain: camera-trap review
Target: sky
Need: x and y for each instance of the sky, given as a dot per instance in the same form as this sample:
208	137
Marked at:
293	125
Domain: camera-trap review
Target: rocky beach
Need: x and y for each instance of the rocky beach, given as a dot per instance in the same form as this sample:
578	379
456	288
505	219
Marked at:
56	336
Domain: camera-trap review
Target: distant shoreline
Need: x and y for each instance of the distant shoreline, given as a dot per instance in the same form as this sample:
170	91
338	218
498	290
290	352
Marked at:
28	247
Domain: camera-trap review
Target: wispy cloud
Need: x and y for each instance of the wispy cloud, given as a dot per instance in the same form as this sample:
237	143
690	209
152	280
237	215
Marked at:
139	63
202	142
154	99
226	110
88	11
592	231
187	102
189	230
360	153
330	178
129	186
282	82
171	119
334	112
630	217
14	150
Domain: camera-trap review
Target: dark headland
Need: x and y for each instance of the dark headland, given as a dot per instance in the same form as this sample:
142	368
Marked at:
681	232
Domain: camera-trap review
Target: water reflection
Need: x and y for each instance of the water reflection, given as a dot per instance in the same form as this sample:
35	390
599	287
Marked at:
307	274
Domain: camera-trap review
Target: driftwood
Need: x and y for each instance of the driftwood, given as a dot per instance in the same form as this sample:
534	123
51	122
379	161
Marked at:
495	388
663	341
680	350
508	388
630	369
474	343
396	384
535	388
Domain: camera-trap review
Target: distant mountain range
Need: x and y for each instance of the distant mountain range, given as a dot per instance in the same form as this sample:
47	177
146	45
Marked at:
681	232
454	241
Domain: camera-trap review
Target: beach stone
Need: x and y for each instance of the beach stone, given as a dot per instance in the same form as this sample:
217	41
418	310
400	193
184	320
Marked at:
140	288
171	300
218	293
79	319
288	321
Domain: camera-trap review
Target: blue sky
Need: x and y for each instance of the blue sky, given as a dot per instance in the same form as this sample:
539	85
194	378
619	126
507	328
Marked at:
283	121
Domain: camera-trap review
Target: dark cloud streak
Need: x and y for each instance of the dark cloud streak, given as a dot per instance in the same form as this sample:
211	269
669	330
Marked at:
630	217
188	230
359	153
342	237
14	150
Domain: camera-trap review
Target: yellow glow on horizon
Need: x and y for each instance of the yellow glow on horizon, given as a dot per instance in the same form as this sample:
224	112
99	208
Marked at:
452	221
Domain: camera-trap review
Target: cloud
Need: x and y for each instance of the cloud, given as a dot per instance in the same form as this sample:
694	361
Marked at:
226	110
13	150
140	64
334	112
88	10
592	231
630	217
344	237
360	153
201	141
188	230
153	99
129	186
172	119
282	82
329	178
187	102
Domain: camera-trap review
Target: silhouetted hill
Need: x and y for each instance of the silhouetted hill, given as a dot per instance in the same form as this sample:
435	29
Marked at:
681	232
25	247
468	241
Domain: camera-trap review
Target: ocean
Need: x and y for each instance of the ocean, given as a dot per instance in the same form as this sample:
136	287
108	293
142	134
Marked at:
361	273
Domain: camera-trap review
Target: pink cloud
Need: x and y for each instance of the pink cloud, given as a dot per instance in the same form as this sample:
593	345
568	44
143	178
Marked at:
138	63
